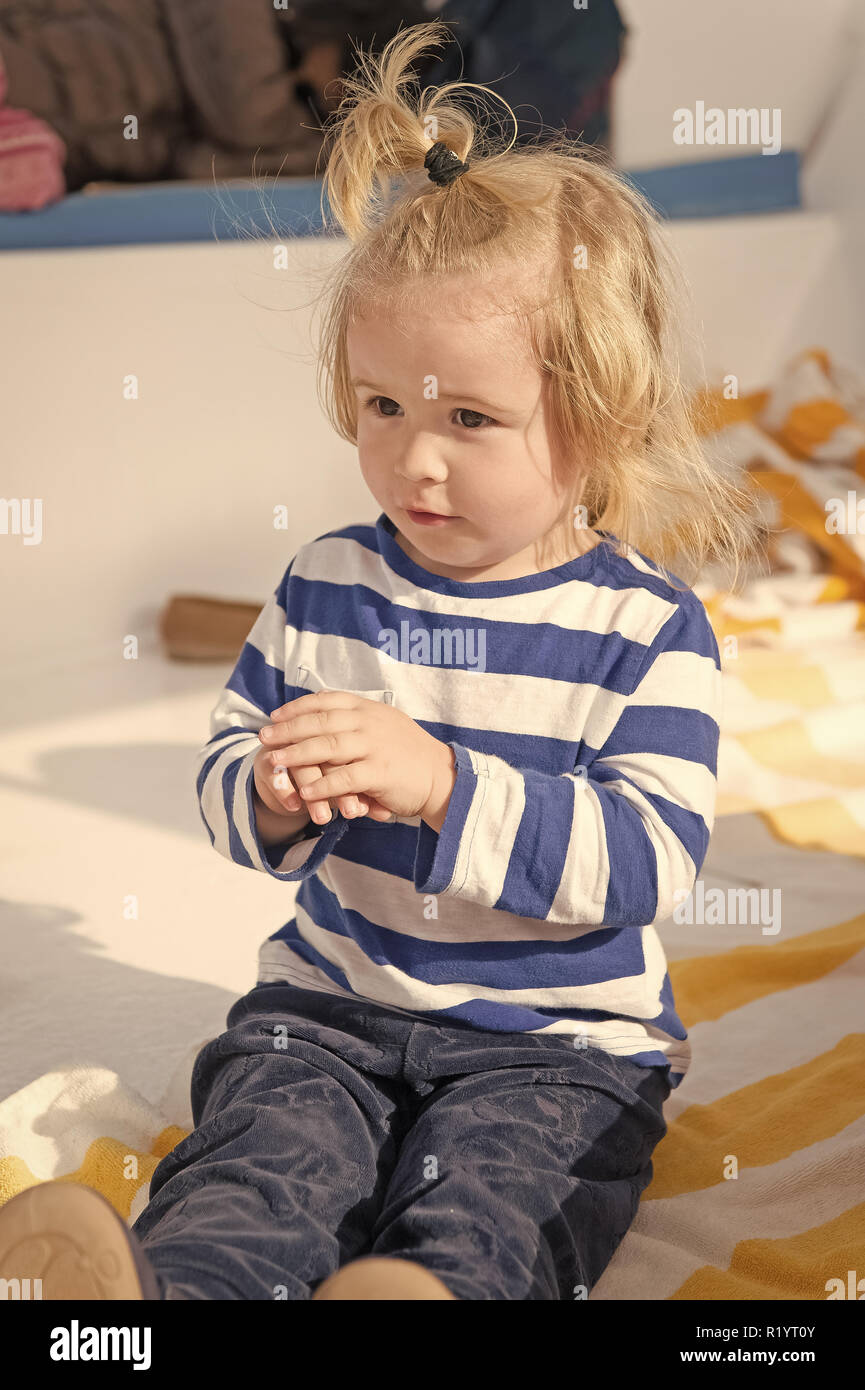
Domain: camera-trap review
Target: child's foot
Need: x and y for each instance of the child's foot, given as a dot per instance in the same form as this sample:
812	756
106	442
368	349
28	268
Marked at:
71	1238
381	1277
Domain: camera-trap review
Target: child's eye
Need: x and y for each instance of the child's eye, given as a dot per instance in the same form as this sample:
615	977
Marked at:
461	410
464	410
372	400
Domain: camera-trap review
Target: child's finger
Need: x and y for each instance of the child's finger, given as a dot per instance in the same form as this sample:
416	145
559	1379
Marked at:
297	777
350	804
283	788
320	811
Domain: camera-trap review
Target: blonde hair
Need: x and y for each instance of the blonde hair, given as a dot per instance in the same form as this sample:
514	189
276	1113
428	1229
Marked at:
600	334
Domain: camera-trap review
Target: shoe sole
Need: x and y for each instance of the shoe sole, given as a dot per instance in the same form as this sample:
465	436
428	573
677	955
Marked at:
71	1238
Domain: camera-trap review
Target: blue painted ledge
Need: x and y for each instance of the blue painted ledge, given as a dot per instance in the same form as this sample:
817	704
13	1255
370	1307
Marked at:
167	212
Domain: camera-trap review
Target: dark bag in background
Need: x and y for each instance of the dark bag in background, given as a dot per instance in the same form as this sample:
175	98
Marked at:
553	64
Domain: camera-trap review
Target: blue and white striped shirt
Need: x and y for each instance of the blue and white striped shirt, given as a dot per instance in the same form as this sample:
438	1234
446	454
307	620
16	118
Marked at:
583	708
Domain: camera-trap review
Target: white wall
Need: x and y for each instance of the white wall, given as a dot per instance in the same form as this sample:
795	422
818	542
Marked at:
789	54
765	287
174	491
833	181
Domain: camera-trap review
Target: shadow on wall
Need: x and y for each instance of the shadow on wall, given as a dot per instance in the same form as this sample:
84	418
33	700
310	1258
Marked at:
149	782
72	688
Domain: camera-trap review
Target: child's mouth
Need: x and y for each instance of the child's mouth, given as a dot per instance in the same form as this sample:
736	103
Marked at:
430	518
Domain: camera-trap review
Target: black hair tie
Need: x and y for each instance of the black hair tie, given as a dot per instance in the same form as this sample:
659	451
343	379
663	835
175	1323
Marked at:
443	164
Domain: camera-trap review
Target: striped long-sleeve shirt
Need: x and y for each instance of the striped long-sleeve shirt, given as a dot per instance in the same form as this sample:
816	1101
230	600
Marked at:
583	708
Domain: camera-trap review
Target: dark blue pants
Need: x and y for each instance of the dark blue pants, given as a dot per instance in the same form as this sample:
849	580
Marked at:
327	1128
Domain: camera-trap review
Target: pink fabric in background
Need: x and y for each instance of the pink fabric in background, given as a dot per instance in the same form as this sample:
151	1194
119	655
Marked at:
31	158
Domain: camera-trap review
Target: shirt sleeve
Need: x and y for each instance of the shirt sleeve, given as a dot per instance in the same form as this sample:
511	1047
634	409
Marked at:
618	842
224	766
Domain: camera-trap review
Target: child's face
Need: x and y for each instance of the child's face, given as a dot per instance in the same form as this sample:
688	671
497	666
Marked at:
478	451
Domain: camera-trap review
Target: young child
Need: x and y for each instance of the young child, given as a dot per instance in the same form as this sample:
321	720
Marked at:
480	735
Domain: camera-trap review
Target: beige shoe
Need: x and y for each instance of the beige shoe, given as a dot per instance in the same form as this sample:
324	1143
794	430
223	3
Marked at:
69	1242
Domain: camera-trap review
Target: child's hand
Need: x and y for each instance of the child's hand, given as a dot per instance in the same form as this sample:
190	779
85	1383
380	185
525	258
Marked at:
278	791
350	805
363	748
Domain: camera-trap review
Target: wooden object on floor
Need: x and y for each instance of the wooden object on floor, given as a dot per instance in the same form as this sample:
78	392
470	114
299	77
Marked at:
194	627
